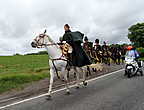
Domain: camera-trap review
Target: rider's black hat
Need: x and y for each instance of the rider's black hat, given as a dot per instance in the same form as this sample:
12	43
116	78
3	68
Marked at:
97	41
85	39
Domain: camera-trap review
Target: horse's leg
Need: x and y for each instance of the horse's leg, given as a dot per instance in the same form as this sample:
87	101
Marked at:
76	69
105	60
65	72
119	60
84	70
101	59
114	59
109	60
51	83
122	59
88	71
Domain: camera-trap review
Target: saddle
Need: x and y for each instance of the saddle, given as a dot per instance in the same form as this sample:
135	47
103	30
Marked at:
66	49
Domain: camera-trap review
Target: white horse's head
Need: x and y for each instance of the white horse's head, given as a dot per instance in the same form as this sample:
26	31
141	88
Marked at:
41	40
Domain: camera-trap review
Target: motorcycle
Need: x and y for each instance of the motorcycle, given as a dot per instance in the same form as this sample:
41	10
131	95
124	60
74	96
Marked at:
132	67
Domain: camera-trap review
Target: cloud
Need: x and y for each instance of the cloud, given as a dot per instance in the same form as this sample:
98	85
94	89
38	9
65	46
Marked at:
21	20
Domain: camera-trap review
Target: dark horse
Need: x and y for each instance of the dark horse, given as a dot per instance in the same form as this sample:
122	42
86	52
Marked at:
116	55
123	53
87	46
97	54
106	54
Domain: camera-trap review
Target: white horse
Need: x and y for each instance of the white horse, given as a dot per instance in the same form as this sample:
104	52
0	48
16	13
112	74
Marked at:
57	62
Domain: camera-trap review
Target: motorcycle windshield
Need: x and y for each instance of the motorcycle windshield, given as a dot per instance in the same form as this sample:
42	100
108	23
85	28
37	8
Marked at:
129	59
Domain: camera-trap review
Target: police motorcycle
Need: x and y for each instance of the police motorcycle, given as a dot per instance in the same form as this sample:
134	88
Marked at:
132	66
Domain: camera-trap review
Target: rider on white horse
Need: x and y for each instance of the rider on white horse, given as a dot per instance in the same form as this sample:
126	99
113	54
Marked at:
58	62
79	57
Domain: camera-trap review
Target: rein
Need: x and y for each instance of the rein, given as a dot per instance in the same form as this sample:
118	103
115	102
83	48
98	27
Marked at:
49	44
40	45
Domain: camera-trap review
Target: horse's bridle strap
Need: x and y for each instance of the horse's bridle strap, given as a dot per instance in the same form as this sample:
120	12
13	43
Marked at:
55	65
59	59
49	44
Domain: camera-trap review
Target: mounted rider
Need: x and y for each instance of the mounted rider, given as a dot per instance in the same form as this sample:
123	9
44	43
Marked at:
78	56
105	47
97	46
106	53
87	46
97	51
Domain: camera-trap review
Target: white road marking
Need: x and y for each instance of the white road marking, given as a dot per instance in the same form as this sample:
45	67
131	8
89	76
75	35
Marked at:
29	99
8	99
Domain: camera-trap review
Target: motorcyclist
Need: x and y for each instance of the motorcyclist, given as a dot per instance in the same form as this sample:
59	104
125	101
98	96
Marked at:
132	52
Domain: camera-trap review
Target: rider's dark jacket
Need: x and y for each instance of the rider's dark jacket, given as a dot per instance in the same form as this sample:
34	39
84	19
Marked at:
79	57
97	47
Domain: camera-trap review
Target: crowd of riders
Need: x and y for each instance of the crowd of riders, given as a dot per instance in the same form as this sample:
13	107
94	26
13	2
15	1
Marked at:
104	53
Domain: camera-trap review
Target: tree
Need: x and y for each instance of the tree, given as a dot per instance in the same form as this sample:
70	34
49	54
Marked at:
136	34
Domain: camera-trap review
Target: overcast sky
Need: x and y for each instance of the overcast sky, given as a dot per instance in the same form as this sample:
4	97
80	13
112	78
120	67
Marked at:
22	20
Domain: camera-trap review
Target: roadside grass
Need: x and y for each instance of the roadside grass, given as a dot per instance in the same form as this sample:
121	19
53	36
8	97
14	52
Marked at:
142	59
18	71
18	81
22	64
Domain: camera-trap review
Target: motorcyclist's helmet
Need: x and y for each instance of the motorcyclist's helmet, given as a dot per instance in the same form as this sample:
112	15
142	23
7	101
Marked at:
129	47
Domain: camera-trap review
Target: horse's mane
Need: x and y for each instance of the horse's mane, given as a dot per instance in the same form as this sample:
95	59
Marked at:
49	38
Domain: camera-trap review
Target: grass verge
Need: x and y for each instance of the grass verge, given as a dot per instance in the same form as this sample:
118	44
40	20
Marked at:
142	59
16	72
18	81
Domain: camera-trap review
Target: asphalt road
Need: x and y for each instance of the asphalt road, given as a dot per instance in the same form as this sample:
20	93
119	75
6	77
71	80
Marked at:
114	92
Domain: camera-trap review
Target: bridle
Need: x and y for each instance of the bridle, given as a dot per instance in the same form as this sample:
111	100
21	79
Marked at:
40	45
41	37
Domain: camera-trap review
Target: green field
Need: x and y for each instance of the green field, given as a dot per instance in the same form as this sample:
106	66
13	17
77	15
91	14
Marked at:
18	71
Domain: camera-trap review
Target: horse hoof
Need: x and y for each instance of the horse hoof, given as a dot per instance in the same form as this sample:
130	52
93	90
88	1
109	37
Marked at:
85	83
77	87
48	97
68	93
